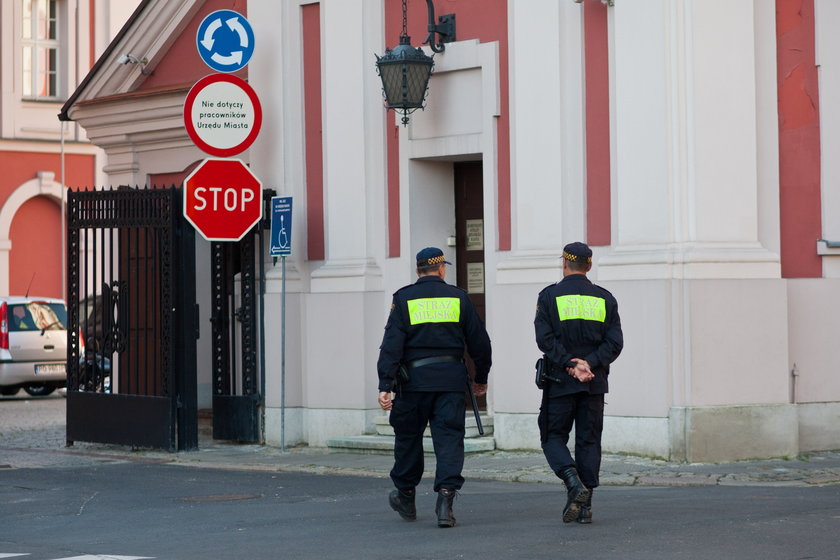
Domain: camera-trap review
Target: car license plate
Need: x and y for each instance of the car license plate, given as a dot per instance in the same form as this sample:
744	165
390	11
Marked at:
49	368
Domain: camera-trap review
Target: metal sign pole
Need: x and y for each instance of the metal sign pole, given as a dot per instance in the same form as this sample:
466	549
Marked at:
283	355
281	246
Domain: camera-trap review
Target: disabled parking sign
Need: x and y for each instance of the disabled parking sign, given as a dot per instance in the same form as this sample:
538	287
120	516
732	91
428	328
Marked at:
225	41
281	226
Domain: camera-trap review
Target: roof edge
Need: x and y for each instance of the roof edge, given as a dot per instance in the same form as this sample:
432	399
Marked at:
65	109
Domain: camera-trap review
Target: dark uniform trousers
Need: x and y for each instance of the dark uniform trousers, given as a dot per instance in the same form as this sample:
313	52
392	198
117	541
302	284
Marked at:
429	327
576	319
445	413
557	414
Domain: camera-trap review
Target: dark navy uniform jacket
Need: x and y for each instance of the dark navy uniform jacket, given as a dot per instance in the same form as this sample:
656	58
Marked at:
433	318
577	319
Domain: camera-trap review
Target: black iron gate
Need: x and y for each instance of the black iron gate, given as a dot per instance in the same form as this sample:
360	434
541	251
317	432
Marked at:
237	317
236	397
131	358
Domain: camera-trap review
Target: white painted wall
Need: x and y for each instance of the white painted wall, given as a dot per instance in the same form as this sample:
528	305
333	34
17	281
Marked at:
112	15
539	103
738	336
767	123
431	207
720	121
547	192
646	379
449	112
643	135
814	324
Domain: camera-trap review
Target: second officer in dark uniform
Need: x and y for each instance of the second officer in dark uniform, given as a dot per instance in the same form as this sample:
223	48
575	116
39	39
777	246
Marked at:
430	324
579	332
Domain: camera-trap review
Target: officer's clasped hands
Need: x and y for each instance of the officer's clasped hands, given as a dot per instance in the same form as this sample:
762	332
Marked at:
581	371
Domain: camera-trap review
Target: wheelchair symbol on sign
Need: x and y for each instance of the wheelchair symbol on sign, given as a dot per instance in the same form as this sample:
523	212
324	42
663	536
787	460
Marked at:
225	41
283	237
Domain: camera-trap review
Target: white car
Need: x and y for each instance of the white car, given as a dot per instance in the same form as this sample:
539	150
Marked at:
33	345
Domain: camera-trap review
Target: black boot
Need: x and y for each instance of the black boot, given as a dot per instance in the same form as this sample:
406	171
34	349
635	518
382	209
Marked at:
586	510
443	508
576	492
402	501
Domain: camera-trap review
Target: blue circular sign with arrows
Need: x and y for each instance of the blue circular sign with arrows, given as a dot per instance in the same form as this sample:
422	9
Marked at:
225	41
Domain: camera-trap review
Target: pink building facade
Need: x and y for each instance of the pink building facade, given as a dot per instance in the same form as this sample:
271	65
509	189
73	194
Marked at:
48	46
684	141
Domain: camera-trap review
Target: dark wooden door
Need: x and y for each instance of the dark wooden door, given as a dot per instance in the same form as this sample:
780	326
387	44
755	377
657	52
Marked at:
469	235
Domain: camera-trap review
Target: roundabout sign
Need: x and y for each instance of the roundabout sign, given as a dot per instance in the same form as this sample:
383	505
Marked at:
225	41
222	115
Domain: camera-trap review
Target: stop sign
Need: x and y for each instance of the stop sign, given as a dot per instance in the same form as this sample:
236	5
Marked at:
222	199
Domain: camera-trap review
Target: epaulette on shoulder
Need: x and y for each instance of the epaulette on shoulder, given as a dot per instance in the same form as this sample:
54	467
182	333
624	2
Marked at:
403	288
603	289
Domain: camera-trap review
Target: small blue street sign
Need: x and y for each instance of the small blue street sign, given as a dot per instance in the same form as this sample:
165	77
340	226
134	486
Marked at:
281	226
225	41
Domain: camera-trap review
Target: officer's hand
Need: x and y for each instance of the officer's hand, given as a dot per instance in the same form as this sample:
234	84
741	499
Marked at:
480	389
385	400
581	371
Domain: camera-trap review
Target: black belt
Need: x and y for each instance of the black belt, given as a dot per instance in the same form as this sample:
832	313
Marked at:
432	360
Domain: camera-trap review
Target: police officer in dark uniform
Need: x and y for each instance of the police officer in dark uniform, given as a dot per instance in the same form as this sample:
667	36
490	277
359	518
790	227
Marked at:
430	324
579	332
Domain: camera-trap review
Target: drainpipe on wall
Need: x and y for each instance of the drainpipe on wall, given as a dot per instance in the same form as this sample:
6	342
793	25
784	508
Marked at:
63	218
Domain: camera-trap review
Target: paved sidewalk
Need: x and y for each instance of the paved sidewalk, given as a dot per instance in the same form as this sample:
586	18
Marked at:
29	437
523	466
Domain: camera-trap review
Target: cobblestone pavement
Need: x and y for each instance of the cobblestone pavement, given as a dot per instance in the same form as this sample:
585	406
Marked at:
32	435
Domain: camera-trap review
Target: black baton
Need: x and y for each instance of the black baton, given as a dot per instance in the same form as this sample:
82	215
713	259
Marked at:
475	407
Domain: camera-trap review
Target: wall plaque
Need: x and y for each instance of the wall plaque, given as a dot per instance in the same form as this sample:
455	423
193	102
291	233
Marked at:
475	278
475	235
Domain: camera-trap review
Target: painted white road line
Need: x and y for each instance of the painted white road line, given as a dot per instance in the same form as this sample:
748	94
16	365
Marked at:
83	557
106	557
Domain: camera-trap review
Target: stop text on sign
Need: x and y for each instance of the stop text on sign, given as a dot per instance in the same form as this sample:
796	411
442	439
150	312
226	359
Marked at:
230	198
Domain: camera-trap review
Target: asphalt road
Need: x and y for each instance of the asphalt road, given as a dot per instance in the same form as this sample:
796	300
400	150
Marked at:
175	512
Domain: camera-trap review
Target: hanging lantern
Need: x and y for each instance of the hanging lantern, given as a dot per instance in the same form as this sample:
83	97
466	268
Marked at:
405	73
405	70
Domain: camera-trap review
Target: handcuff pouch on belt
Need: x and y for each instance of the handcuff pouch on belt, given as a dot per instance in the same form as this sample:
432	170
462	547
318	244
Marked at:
401	377
542	375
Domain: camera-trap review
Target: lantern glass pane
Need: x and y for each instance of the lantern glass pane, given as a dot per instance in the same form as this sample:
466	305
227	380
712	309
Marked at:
417	78
391	75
